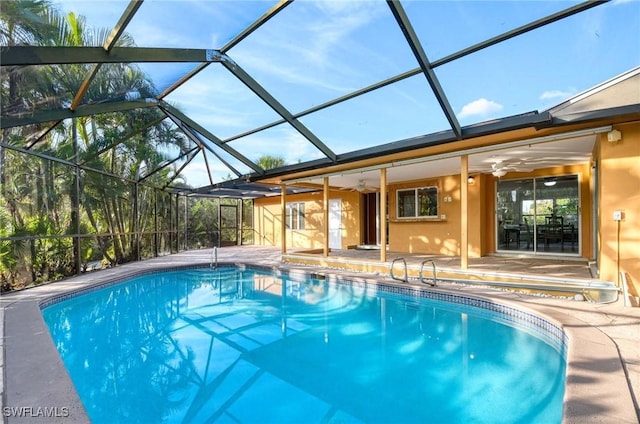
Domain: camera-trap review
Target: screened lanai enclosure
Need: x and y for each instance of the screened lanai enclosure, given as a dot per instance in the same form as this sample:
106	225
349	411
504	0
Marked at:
137	129
63	220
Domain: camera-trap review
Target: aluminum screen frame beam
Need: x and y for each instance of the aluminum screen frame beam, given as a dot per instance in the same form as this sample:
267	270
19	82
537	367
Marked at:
123	139
427	69
349	96
113	37
69	163
123	22
416	71
179	170
274	104
236	40
158	169
247	190
174	113
194	137
277	8
83	110
519	31
54	55
41	137
528	120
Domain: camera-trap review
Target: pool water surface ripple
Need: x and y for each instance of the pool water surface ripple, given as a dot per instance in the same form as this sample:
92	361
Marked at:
247	345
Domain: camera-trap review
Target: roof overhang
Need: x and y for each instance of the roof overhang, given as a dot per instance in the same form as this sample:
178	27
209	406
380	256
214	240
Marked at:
242	189
497	134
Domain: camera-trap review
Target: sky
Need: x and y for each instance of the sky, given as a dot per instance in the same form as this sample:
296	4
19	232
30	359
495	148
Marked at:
315	51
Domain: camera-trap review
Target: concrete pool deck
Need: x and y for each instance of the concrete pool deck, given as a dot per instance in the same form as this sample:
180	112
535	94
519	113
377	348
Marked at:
603	373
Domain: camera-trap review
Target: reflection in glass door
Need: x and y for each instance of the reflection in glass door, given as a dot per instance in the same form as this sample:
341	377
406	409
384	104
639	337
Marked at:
538	215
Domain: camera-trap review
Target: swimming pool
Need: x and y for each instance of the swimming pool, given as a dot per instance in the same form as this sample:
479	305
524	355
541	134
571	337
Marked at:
242	344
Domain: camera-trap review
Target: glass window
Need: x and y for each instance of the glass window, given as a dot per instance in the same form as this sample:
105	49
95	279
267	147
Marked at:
539	214
295	216
418	203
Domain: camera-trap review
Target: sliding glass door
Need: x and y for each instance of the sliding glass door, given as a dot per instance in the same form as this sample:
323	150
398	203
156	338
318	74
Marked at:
538	215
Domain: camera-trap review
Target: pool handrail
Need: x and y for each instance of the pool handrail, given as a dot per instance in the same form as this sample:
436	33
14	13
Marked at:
435	277
406	272
596	291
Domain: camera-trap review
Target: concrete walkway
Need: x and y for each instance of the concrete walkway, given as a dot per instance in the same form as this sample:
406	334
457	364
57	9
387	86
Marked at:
552	266
603	373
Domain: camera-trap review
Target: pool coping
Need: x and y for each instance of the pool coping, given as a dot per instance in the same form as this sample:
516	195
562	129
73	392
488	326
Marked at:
597	389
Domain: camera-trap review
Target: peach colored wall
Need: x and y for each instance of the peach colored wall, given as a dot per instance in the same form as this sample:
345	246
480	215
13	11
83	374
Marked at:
434	236
437	236
620	190
476	217
268	220
488	208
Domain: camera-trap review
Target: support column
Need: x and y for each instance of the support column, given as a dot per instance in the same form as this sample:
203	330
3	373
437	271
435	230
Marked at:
136	218
170	223
177	223
240	227
186	222
325	217
383	215
75	207
219	222
283	206
155	222
464	212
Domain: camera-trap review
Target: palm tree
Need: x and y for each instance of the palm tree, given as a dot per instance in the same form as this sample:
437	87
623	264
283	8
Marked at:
22	22
270	162
108	203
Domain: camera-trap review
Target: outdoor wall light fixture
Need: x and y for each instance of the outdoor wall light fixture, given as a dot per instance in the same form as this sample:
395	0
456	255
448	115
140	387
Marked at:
471	180
614	136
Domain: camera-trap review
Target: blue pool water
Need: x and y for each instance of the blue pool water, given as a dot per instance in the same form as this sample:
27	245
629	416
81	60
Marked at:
241	345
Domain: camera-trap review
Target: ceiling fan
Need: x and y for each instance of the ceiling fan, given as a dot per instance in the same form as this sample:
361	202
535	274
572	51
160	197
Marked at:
362	187
500	168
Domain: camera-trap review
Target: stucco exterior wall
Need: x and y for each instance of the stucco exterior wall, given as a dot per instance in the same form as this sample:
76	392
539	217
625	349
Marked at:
268	220
437	235
428	235
619	241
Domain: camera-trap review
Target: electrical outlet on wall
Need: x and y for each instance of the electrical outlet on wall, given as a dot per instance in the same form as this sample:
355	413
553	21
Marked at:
617	215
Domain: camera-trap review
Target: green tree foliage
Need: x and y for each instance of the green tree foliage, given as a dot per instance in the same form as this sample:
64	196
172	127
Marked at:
37	196
270	162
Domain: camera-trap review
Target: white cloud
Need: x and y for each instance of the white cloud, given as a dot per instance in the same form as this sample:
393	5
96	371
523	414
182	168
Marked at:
152	35
480	107
195	174
556	94
220	104
290	74
307	50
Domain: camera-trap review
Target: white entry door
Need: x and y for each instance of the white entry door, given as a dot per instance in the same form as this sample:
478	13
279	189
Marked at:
335	224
